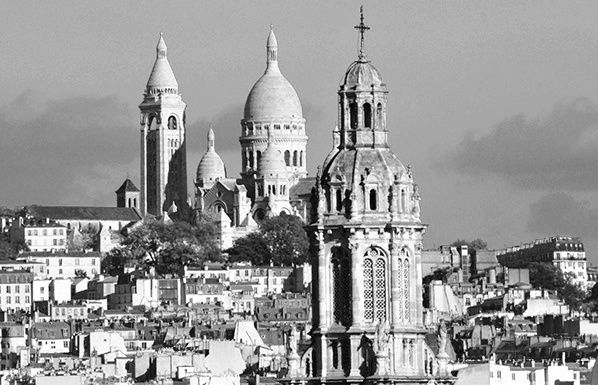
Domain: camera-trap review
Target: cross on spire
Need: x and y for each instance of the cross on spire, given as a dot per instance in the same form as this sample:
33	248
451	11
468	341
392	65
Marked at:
361	28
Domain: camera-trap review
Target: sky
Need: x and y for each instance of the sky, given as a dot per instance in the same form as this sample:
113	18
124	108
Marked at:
494	104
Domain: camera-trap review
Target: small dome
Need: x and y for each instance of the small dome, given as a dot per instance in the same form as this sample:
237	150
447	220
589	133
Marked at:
211	166
272	162
272	96
361	73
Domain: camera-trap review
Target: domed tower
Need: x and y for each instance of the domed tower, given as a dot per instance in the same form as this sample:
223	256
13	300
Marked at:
163	151
211	167
273	115
271	184
367	237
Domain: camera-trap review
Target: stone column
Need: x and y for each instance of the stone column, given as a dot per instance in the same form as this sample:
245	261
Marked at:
395	295
357	286
322	284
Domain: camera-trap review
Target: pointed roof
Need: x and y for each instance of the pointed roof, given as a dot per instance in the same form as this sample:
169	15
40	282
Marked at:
127	186
162	77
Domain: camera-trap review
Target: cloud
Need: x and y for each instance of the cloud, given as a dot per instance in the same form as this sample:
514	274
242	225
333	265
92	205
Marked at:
559	151
70	151
560	213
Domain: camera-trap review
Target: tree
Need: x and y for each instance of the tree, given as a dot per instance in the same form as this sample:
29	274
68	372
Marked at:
280	240
82	239
79	273
476	244
547	276
166	247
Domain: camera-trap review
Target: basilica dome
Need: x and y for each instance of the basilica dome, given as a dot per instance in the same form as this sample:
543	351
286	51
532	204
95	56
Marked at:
211	167
361	73
272	96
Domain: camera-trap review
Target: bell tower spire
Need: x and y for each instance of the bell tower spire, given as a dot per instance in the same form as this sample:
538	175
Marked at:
163	150
362	28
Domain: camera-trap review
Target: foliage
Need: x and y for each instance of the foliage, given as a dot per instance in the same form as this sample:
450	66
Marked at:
166	247
79	273
476	244
281	240
438	275
547	276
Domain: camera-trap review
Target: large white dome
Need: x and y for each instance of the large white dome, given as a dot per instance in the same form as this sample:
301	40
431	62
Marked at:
272	96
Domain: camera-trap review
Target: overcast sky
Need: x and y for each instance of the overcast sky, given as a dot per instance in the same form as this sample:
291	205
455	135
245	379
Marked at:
494	103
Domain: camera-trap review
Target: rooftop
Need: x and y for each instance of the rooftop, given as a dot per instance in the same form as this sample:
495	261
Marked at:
86	213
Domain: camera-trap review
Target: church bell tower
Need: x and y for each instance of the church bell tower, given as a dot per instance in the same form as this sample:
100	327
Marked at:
163	152
366	236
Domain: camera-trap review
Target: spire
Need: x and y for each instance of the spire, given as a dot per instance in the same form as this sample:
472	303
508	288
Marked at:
211	139
162	78
271	51
161	49
361	28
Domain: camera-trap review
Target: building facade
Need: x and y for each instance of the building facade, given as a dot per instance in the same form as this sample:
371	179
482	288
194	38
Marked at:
163	148
565	252
40	236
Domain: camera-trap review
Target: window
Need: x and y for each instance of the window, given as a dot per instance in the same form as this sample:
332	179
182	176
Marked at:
374	276
17	299
172	123
373	200
26	299
54	232
301	159
60	262
379	116
17	289
29	232
8	289
353	115
287	157
45	232
7	299
66	344
55	242
339	200
42	290
59	271
367	115
295	158
61	232
93	261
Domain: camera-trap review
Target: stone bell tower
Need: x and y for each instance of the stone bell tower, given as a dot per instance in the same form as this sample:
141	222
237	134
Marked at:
163	149
366	234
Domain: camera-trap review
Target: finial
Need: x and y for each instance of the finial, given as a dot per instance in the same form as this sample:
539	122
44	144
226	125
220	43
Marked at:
211	137
361	28
161	49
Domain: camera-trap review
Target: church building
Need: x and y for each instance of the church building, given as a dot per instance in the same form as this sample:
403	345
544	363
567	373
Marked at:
273	152
366	233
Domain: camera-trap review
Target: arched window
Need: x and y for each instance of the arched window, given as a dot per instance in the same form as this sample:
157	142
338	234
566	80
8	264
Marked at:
259	156
367	115
373	200
339	200
287	158
152	125
403	200
251	160
172	123
274	189
353	115
379	115
260	190
301	159
374	284
295	158
341	276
